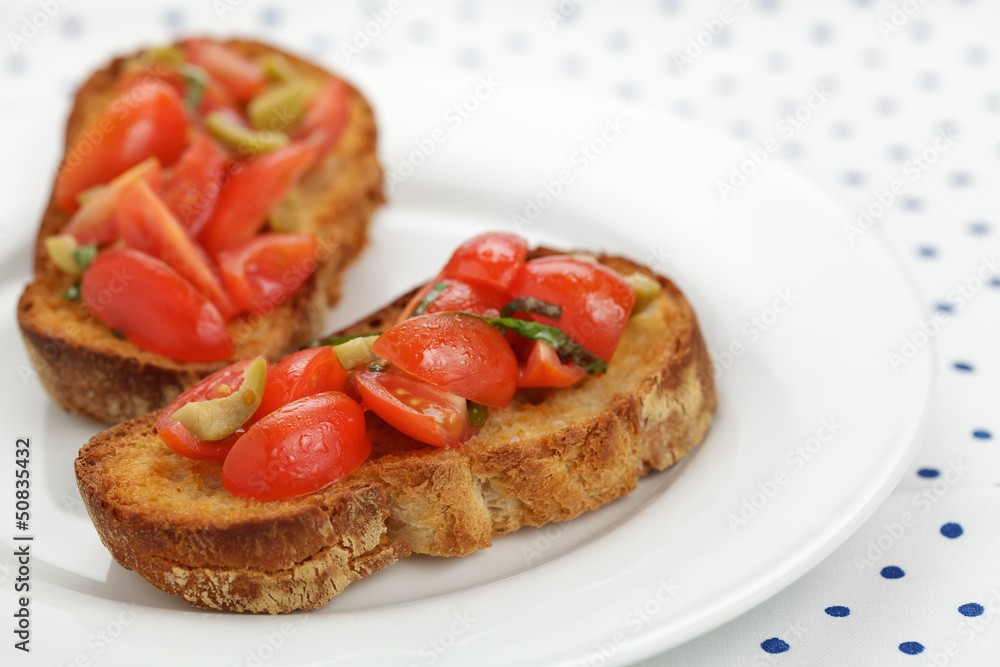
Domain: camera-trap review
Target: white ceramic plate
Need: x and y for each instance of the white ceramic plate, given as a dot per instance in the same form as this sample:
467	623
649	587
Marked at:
631	579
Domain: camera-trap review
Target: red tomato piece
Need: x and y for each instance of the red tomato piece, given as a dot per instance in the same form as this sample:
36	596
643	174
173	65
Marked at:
298	449
191	187
241	77
544	369
460	295
423	412
145	223
325	116
95	221
217	385
154	306
264	271
146	120
490	258
305	373
255	188
596	301
457	353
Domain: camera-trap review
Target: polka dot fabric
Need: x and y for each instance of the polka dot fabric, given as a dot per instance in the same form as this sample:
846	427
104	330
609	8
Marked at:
893	106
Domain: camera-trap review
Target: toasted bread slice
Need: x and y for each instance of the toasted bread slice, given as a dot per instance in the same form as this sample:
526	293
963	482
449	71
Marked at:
548	456
89	371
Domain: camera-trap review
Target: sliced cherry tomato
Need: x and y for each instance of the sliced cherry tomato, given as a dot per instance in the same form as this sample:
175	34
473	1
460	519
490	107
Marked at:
154	306
95	221
596	301
490	258
146	120
298	449
459	295
214	97
220	384
305	373
242	77
191	187
544	369
419	410
457	353
145	223
325	116
264	271
255	188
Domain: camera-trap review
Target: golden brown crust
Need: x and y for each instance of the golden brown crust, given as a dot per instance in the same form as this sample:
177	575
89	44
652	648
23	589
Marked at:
548	456
90	372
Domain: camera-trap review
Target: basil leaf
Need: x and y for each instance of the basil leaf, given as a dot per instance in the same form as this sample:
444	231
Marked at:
477	413
567	348
436	291
85	254
527	304
196	80
337	340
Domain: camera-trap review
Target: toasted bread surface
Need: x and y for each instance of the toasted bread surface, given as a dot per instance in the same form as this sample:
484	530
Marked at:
548	456
89	371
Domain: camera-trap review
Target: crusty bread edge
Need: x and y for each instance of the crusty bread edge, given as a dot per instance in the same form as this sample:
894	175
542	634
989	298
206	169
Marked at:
111	386
472	496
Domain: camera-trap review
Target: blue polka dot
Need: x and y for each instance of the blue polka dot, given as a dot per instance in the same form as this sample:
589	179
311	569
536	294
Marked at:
976	56
912	204
470	58
960	179
468	11
892	572
952	530
872	59
792	150
911	648
774	645
618	41
571	65
929	473
517	42
270	17
982	434
927	251
943	307
921	31
821	33
995	282
670	6
838	611
897	153
418	31
173	18
885	106
627	90
776	61
979	228
971	609
963	366
842	130
854	178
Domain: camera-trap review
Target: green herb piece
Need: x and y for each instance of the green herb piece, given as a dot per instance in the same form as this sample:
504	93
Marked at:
378	365
477	413
196	80
117	334
72	292
567	348
527	304
436	291
337	340
85	254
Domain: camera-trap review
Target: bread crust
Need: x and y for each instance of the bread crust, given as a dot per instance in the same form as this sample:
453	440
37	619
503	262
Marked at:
548	456
90	372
